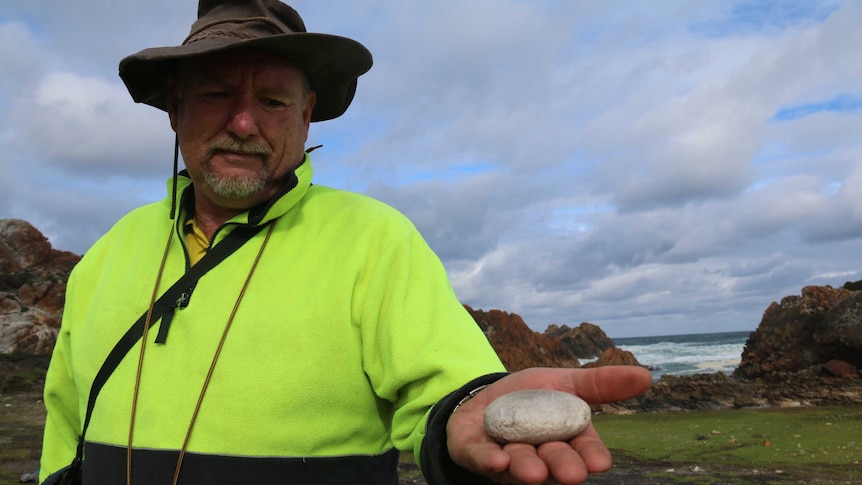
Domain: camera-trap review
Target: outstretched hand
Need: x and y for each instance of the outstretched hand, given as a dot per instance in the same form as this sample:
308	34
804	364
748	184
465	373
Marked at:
566	463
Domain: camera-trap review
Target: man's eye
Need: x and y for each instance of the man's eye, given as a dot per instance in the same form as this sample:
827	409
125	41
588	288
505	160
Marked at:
273	103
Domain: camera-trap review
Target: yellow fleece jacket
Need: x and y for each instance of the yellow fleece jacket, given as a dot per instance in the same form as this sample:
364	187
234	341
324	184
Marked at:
348	334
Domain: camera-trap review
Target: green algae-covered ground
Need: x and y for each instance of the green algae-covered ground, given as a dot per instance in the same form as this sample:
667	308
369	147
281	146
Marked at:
776	445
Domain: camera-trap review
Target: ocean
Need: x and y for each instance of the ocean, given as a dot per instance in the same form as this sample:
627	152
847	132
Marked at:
703	353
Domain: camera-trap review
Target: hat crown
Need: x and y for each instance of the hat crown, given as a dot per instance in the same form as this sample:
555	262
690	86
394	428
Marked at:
243	19
332	63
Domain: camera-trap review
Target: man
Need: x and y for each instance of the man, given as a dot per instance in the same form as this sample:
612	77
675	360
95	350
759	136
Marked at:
325	343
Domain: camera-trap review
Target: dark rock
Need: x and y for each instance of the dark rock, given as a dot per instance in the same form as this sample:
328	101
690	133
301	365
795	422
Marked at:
701	391
22	246
839	334
32	288
719	391
517	346
614	356
839	368
21	372
785	339
853	285
585	341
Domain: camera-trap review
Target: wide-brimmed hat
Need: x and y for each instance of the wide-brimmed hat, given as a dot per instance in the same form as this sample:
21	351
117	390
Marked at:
332	63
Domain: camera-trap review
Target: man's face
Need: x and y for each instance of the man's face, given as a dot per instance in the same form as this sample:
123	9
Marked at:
242	119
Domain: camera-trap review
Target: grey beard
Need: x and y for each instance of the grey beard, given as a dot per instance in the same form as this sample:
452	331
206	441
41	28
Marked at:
241	187
236	188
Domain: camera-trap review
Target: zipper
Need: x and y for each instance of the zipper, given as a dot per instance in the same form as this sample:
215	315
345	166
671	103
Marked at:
186	296
182	302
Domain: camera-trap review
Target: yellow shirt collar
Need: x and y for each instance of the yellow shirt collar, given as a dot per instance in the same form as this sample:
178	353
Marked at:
196	241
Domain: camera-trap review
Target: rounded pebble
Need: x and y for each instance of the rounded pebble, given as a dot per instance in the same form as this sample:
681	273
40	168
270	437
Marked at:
536	416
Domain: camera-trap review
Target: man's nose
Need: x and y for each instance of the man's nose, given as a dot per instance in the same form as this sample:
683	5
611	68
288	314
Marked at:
243	120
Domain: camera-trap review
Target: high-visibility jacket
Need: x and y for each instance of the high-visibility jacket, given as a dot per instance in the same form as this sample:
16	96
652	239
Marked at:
348	334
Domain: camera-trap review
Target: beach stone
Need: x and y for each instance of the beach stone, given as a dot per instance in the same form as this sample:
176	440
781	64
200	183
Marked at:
536	416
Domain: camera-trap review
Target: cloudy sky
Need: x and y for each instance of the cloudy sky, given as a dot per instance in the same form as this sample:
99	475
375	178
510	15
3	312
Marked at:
660	167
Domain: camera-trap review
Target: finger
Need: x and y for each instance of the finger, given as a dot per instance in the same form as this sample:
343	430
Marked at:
592	450
485	458
564	463
471	448
609	384
632	382
597	385
526	466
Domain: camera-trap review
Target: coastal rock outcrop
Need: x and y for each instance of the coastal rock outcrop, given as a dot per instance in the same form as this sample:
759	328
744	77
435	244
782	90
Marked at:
839	335
586	341
719	391
32	288
804	332
517	346
614	356
559	346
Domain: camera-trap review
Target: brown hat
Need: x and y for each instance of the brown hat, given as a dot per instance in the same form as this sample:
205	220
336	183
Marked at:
332	63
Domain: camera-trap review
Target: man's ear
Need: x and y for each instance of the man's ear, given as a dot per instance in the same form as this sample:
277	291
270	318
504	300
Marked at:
310	99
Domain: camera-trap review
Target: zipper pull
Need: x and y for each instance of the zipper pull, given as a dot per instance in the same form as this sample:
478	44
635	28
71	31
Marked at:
182	302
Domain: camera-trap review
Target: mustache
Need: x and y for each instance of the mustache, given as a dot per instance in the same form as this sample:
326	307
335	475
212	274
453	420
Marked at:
252	147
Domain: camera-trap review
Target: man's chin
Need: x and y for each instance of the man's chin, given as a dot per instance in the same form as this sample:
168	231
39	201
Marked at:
235	188
235	196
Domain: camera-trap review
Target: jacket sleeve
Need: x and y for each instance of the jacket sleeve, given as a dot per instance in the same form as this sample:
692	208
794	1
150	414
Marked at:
61	397
437	465
419	342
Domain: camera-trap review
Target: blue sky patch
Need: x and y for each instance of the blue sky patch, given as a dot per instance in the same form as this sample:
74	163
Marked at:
843	103
765	15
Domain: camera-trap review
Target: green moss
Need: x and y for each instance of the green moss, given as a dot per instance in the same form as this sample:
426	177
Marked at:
793	440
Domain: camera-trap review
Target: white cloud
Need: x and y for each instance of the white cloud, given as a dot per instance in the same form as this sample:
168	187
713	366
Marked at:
20	65
87	124
841	215
617	162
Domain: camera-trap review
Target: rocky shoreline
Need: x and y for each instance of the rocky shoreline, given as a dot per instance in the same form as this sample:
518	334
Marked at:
706	392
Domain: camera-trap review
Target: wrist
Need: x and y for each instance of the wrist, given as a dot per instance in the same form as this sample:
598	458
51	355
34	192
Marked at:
469	396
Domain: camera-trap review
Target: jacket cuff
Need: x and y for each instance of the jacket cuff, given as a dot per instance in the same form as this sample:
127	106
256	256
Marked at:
437	466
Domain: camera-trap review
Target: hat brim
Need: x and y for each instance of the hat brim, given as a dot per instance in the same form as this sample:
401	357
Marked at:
332	64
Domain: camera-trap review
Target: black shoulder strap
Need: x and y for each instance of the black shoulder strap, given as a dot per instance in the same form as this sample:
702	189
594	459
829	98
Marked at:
165	303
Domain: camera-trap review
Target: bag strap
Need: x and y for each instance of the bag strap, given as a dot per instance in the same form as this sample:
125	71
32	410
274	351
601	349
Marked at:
174	296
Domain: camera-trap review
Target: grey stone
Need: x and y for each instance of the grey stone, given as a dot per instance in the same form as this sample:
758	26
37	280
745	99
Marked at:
536	416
